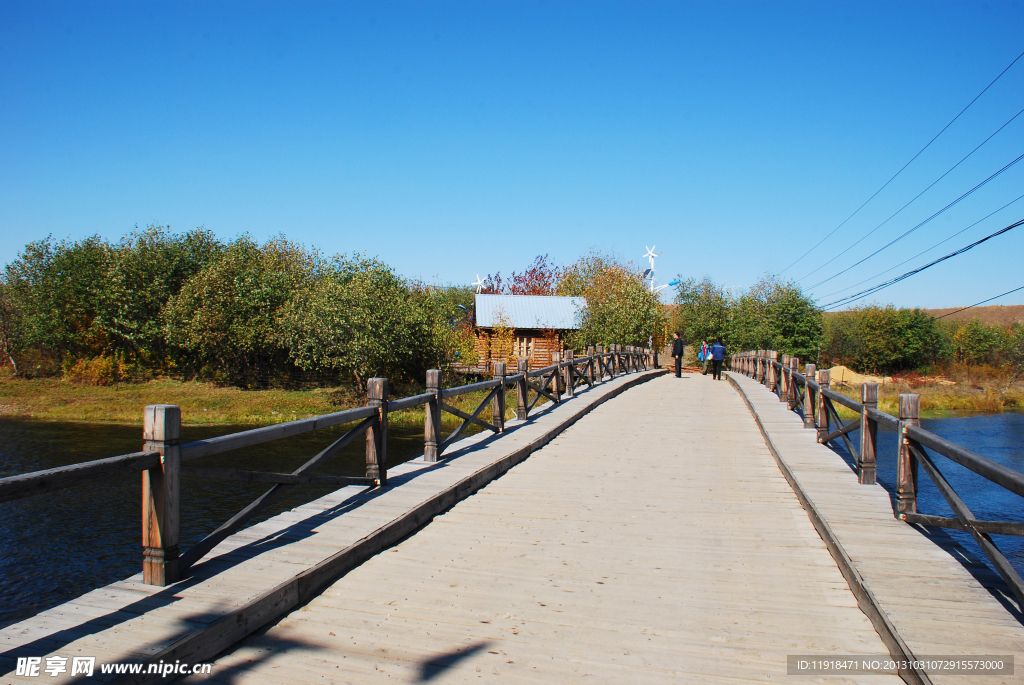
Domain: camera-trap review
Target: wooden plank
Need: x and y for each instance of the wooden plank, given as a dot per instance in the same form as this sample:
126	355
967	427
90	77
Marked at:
534	564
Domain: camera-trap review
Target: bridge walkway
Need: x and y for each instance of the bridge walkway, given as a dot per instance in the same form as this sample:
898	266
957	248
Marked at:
931	594
655	540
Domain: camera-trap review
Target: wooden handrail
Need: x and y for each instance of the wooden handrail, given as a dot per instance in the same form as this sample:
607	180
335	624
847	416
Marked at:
160	462
911	443
39	482
256	436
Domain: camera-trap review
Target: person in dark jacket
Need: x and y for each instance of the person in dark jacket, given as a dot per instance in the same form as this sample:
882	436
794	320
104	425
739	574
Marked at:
677	353
717	355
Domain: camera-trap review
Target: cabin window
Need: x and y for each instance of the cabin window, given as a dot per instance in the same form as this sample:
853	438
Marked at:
524	346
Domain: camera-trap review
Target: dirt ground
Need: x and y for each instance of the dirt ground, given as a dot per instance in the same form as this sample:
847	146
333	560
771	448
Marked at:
1000	314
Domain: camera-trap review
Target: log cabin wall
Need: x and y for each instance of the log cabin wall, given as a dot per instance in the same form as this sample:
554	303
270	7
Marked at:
537	345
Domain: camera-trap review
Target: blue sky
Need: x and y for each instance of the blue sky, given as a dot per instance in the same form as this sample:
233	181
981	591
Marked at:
452	139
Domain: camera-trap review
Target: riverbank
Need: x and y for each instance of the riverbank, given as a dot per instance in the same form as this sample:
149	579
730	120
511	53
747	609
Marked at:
940	397
50	399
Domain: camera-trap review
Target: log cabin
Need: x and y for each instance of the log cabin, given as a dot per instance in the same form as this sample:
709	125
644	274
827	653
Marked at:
533	327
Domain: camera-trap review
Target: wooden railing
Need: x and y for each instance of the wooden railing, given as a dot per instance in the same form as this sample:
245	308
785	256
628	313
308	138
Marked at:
163	455
810	393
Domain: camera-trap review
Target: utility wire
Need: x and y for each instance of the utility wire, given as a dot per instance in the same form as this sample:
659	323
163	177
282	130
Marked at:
982	302
893	281
905	165
950	169
941	242
906	233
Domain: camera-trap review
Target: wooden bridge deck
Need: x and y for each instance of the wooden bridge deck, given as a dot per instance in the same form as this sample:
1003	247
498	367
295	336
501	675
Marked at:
654	541
935	597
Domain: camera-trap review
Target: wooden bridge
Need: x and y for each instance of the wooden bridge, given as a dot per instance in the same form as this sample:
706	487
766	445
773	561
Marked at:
635	528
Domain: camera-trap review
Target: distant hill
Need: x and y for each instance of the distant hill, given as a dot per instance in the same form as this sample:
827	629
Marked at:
995	314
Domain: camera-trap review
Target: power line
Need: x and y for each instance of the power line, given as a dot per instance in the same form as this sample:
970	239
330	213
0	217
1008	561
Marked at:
945	240
982	302
893	281
905	165
950	169
906	233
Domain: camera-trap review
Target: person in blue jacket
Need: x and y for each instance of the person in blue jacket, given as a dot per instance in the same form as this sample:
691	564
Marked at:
704	355
717	355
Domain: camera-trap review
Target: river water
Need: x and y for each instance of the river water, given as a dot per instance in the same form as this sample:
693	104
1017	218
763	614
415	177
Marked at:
57	546
999	437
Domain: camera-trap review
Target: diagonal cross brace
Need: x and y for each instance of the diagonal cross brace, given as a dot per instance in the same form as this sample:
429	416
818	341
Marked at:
203	547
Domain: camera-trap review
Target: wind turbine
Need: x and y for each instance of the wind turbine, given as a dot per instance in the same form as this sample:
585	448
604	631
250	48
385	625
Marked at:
479	283
650	272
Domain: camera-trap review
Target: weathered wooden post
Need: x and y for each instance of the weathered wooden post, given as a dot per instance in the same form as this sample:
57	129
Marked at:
794	369
498	403
906	473
161	495
570	373
823	382
630	359
590	365
521	389
377	433
809	397
612	362
432	416
866	469
556	385
773	377
600	362
784	378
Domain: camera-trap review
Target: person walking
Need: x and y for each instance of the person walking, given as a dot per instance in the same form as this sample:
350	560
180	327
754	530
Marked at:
717	355
705	355
677	353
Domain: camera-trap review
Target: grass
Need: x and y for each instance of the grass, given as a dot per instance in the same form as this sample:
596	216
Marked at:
52	399
977	389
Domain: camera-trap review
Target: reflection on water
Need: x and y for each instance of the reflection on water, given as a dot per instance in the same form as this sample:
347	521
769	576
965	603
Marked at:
57	546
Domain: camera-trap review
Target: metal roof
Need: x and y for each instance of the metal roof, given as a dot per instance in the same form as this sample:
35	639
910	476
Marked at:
529	311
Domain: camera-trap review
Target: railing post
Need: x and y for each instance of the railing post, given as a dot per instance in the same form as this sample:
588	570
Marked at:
866	470
521	389
794	368
600	364
556	386
809	396
823	382
590	365
906	471
161	490
377	433
432	416
498	403
773	377
570	373
784	379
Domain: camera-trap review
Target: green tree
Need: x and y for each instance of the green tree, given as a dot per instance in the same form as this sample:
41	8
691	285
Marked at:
144	271
776	315
361	320
702	311
975	343
620	309
226	320
53	291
